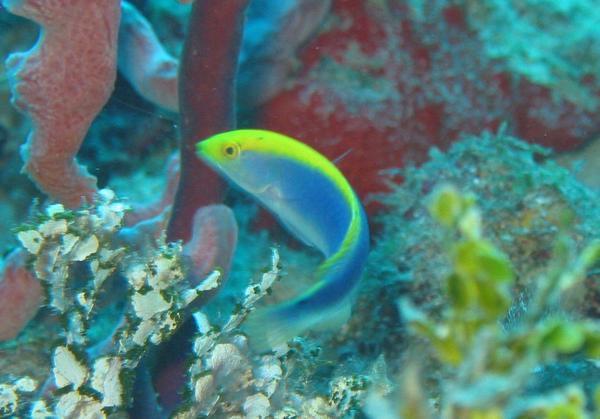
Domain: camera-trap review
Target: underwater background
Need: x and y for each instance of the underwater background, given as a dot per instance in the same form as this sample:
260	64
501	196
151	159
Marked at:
469	130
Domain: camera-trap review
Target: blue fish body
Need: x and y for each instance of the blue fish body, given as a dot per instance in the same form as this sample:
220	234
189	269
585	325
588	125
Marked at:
314	201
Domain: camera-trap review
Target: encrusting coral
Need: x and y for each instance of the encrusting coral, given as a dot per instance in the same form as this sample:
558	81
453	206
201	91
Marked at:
524	196
558	54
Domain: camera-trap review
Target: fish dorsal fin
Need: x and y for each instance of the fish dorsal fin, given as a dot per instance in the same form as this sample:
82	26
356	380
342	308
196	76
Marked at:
341	156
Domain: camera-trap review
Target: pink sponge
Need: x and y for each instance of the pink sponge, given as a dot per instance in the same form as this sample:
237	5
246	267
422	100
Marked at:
20	295
214	237
144	62
62	83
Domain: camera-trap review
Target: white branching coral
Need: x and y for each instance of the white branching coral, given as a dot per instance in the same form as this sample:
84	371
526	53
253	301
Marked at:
78	254
69	369
158	295
107	380
10	394
63	237
73	254
222	377
228	380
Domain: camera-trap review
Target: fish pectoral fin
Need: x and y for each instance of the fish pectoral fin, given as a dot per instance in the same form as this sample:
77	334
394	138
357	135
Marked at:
275	195
286	208
298	233
270	193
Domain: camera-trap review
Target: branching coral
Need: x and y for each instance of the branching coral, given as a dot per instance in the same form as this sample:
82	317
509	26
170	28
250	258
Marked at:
221	371
76	255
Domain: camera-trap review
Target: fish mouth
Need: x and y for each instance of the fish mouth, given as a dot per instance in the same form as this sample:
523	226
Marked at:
201	150
203	154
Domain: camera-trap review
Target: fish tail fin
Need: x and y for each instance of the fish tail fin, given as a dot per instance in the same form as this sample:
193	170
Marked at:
273	326
267	329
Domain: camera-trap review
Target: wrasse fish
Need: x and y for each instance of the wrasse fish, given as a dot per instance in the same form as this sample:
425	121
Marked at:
315	202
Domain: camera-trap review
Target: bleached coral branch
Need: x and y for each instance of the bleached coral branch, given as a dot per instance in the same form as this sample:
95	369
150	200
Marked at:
222	372
74	253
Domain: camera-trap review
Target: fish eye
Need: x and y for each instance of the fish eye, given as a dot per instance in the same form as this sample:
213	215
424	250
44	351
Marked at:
231	150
